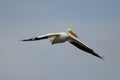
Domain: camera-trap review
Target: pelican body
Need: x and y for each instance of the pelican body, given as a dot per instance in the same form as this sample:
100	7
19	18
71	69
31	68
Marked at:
62	37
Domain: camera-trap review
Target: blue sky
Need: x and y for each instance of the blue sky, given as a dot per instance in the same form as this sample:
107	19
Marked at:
97	23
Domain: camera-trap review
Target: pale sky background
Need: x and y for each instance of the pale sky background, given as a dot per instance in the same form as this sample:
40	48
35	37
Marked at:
97	23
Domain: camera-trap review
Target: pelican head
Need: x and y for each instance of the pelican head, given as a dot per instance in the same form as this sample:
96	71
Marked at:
72	32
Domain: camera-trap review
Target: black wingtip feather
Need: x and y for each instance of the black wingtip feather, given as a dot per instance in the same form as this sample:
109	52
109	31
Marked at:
35	39
27	40
86	50
95	54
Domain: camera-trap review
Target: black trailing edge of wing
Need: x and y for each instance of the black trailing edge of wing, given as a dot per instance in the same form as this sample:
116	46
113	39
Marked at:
35	39
86	50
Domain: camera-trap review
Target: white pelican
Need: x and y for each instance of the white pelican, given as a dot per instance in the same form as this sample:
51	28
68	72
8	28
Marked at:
61	37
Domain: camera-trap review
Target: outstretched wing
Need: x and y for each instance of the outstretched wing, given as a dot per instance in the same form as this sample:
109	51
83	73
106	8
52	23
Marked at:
82	46
42	37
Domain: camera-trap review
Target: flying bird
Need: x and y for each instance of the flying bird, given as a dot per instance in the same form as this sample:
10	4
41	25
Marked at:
69	36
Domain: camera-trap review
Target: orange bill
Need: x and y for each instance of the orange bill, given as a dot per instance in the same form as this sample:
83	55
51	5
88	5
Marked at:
73	33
